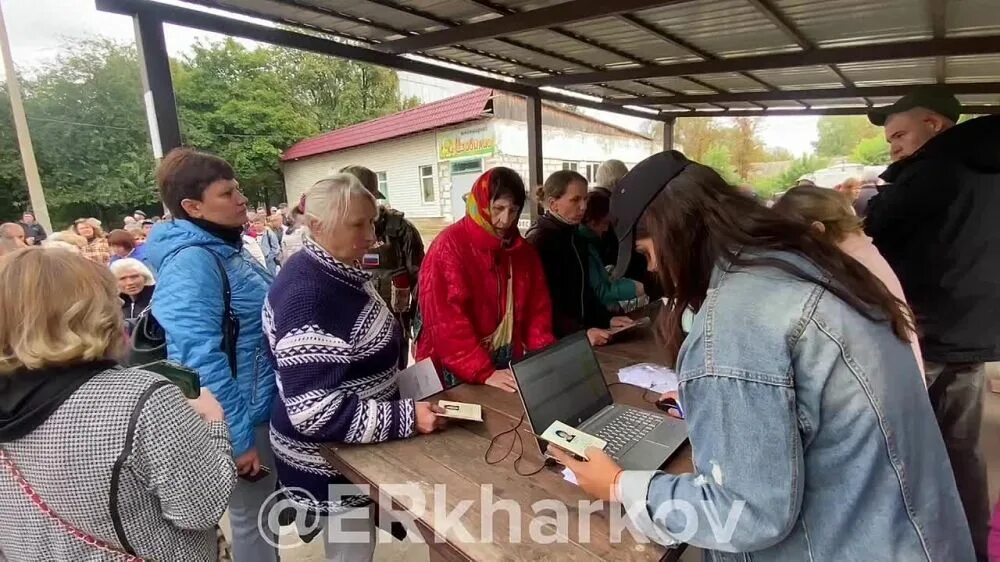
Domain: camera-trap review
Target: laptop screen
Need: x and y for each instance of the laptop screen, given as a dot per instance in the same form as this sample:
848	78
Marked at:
563	382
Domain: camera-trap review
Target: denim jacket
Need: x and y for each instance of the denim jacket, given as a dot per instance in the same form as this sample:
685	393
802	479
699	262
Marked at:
812	434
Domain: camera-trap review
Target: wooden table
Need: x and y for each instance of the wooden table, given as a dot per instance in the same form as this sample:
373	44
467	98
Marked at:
455	457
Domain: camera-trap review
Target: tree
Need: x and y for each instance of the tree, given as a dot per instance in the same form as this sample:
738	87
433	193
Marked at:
88	127
88	120
696	136
805	164
13	189
745	145
838	135
777	154
719	159
871	152
249	105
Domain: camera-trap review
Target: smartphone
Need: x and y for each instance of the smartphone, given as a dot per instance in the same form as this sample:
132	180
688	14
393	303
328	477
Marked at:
185	379
262	473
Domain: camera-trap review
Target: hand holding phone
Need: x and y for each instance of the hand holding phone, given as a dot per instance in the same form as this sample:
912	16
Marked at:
262	472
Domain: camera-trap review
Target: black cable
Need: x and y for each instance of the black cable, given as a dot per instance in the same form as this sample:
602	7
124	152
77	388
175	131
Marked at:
520	455
645	392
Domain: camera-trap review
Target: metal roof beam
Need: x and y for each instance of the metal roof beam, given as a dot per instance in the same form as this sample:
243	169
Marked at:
950	46
558	14
781	21
969	109
420	13
937	11
667	37
819	93
205	21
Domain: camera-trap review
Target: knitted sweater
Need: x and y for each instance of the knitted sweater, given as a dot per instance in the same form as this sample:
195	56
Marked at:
336	347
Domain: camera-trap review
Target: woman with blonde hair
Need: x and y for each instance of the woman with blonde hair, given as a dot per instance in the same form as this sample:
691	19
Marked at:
66	240
97	462
831	215
849	188
97	248
337	346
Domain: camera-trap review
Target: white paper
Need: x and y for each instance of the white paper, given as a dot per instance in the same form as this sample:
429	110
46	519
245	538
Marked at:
650	375
420	380
569	476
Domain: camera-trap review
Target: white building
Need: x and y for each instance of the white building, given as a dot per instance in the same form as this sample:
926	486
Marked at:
427	158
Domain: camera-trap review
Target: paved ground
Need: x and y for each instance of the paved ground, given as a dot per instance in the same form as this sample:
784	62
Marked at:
410	552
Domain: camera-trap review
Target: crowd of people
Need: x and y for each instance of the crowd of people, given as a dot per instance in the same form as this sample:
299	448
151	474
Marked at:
831	376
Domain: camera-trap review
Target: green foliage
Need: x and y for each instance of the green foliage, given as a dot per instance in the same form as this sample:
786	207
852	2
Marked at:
838	135
777	154
719	159
88	123
733	145
873	151
805	164
13	189
89	132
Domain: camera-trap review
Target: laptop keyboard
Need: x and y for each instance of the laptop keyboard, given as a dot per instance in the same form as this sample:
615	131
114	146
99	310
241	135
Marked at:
626	430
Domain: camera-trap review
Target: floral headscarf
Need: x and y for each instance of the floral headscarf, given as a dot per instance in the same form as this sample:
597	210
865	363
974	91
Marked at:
477	205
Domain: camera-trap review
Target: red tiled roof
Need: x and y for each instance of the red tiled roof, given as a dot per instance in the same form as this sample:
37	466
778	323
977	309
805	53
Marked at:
449	111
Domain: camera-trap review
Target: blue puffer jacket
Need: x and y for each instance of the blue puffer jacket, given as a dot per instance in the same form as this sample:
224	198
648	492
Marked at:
188	304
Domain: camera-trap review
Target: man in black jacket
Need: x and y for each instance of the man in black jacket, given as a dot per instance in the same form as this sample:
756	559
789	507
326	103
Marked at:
33	232
395	260
936	225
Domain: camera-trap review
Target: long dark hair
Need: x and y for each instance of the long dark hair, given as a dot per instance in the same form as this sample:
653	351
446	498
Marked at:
699	221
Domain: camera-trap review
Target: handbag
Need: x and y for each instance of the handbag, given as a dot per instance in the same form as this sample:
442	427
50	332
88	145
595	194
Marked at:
148	342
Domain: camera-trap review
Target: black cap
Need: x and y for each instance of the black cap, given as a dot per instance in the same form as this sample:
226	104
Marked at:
634	193
933	97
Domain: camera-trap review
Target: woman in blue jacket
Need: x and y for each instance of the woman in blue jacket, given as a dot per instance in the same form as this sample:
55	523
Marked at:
209	211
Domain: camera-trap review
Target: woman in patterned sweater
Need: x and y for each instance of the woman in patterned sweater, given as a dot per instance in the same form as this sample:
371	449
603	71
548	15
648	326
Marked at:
336	346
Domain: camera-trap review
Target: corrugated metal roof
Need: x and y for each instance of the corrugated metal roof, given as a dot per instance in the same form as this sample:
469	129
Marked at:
726	28
451	111
838	23
976	68
973	17
674	33
800	77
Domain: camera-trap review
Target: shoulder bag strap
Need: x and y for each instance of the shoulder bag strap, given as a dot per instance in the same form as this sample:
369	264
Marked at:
116	470
230	322
127	553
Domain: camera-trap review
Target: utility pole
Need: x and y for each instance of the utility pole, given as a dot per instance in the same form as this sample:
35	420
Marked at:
38	207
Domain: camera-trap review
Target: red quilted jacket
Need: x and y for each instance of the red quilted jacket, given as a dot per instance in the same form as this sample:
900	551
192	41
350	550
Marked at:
463	293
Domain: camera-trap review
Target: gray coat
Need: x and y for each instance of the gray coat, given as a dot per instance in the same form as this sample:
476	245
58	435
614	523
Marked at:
174	483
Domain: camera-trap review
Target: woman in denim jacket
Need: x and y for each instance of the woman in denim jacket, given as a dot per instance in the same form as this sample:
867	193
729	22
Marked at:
812	434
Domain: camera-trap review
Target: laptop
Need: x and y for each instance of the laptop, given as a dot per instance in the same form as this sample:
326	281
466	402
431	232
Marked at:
564	382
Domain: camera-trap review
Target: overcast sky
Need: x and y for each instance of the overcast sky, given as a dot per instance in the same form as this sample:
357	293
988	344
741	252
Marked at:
41	29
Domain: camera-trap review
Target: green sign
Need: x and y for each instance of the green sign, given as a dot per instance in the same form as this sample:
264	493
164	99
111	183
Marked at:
468	143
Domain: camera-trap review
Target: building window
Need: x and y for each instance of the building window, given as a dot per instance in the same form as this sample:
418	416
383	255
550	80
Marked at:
383	184
466	167
590	171
569	166
427	184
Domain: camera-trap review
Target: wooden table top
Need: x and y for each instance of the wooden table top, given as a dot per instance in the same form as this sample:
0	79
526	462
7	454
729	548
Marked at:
455	457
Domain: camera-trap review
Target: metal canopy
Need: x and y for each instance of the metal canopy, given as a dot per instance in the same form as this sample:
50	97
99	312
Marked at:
656	59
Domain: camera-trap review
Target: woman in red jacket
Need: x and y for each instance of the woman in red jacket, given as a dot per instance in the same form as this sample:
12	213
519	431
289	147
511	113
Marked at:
482	296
